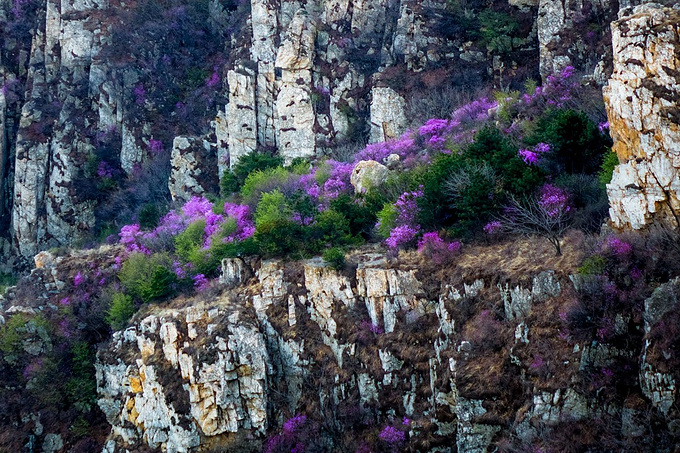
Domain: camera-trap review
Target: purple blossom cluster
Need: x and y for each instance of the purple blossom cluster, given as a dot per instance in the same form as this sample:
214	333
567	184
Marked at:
293	437
367	330
475	111
194	210
79	279
618	247
404	146
339	179
213	80
140	94
201	283
401	236
295	423
555	92
433	247
406	225
459	128
553	200
392	435
104	170
493	227
155	146
532	156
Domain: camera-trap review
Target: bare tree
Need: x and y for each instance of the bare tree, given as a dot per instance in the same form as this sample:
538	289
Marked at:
531	216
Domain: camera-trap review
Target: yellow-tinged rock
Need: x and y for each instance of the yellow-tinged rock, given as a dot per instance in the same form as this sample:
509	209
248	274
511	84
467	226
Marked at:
136	385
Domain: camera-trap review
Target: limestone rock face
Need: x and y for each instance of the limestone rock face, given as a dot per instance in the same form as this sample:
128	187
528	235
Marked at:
187	378
241	116
295	118
566	37
193	161
388	119
642	100
51	143
218	362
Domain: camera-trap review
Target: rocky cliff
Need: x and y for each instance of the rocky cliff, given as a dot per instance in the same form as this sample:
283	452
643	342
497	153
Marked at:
490	352
305	78
642	100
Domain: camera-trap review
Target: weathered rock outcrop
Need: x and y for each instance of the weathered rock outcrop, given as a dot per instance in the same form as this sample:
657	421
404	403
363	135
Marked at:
576	33
642	100
192	373
378	340
193	173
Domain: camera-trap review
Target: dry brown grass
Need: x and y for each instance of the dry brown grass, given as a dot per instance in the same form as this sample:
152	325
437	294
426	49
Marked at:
522	257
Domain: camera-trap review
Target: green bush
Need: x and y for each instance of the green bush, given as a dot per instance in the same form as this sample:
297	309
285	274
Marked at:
149	215
189	242
361	210
233	179
229	183
335	258
387	218
472	190
7	280
299	166
491	146
278	237
593	265
19	329
576	142
331	228
148	277
272	208
261	181
499	31
81	387
610	162
120	311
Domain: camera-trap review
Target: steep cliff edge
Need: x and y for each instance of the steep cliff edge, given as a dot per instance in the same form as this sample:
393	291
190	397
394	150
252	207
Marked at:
642	100
86	96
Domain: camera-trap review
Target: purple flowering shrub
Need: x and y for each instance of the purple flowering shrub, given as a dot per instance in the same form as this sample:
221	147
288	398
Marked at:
548	214
393	437
436	249
197	235
399	221
617	275
298	434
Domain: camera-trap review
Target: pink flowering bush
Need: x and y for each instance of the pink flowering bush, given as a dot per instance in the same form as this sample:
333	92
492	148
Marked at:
554	200
298	434
402	236
400	220
434	248
531	157
405	147
392	436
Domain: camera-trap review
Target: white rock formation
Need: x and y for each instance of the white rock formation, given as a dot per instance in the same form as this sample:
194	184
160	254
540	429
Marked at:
368	174
193	164
388	117
642	100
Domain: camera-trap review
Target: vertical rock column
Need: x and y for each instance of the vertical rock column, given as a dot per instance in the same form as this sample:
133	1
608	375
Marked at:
388	119
642	101
263	53
241	121
53	140
295	113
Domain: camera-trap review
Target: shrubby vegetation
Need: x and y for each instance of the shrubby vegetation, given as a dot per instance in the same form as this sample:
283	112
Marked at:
525	163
